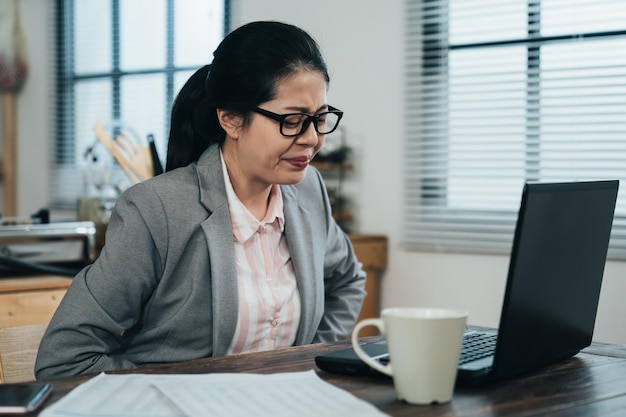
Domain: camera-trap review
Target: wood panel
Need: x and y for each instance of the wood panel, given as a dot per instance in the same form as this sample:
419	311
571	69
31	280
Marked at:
30	300
18	352
7	171
371	250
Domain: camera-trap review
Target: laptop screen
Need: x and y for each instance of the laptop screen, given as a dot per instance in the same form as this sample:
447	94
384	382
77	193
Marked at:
555	273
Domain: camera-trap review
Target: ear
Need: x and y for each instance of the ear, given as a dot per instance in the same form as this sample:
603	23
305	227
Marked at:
230	121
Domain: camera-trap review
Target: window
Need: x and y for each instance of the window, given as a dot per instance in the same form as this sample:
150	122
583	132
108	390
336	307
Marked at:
120	63
500	92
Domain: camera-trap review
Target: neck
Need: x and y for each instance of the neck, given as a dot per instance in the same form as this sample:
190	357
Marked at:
254	196
255	201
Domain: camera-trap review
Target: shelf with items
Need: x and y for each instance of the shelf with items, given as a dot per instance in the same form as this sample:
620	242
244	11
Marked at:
333	162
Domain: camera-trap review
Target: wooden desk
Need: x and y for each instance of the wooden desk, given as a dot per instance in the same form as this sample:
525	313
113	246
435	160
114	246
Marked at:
591	384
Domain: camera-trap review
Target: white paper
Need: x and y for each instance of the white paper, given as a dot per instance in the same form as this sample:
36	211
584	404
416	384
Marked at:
299	394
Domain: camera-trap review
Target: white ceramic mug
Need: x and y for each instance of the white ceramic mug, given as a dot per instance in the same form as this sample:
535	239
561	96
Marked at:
424	349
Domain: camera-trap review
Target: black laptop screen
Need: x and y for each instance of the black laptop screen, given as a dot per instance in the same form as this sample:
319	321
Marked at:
555	273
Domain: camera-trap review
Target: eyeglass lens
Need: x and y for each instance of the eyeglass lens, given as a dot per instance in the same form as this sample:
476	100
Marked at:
296	124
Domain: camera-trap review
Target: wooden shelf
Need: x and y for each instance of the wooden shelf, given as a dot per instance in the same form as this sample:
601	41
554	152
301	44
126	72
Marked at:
327	166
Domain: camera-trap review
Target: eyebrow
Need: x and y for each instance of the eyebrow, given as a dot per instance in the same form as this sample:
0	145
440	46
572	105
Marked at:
324	107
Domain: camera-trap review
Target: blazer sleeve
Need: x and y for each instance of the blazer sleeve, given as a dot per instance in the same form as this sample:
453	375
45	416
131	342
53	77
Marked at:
95	318
344	281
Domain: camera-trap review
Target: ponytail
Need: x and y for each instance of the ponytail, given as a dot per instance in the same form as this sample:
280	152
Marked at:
189	121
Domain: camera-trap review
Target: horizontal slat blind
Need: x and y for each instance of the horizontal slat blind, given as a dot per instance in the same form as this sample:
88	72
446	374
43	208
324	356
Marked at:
120	63
501	92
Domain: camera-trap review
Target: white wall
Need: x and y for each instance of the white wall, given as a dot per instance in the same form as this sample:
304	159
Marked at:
363	44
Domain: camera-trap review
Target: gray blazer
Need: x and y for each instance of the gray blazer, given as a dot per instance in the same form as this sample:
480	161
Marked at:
164	288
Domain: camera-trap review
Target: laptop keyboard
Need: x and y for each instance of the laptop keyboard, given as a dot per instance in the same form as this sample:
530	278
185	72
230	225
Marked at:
477	345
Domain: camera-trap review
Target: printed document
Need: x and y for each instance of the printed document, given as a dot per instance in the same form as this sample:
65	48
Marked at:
299	394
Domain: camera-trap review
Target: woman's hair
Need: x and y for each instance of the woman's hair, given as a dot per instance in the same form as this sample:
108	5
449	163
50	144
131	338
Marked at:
247	67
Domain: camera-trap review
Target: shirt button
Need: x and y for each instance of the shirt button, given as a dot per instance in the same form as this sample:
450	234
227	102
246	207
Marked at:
274	323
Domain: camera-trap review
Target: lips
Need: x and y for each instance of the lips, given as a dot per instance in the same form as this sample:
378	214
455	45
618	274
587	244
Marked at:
300	161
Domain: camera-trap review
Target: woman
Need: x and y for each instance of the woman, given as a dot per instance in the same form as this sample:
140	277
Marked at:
234	248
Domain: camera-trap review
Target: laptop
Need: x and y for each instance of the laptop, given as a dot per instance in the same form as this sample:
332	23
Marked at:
552	291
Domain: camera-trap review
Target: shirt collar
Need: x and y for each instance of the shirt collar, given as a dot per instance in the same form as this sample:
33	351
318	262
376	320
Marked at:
244	224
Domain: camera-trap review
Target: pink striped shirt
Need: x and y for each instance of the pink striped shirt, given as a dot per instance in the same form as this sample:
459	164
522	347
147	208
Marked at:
269	301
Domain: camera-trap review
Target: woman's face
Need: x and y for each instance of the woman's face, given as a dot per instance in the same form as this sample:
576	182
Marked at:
261	154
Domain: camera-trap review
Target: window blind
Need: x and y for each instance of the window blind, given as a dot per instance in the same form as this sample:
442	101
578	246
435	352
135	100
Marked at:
501	92
120	63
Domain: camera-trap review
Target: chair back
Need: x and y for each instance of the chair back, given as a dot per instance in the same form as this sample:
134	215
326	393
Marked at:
18	351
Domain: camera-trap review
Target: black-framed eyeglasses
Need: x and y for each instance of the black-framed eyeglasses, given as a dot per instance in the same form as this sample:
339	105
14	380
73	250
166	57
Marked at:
295	124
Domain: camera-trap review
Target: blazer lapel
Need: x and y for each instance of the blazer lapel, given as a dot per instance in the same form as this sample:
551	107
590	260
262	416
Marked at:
219	235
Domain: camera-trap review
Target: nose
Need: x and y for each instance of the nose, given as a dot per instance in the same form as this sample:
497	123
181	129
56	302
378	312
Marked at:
309	137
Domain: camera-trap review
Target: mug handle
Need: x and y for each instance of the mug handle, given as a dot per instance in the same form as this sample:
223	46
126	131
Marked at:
385	369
